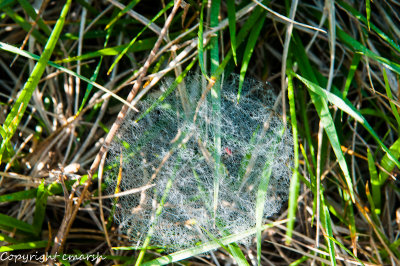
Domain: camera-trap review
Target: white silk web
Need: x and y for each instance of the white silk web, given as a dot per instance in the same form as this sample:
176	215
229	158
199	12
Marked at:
179	157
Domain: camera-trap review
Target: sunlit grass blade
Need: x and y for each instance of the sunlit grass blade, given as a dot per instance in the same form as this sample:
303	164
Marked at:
244	31
248	52
295	181
232	249
232	27
206	247
128	7
12	49
345	249
22	246
323	112
141	45
14	117
348	108
387	163
168	6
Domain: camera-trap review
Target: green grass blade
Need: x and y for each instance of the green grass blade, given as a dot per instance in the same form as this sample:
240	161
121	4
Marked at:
345	249
244	31
6	238
22	246
25	25
353	67
375	184
171	88
368	12
159	210
200	44
348	108
323	112
232	249
15	50
359	48
387	163
11	222
14	117
206	247
328	228
40	208
128	47
128	7
248	52
260	202
361	18
32	13
232	27
295	181
390	96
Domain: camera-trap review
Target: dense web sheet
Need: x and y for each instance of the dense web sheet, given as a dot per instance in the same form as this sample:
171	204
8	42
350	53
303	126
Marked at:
166	147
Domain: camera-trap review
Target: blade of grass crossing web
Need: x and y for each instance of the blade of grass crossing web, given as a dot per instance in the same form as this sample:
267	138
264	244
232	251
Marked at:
19	107
216	105
128	7
323	112
244	31
232	27
168	6
206	247
232	249
294	182
171	88
248	52
390	96
157	214
200	45
348	108
261	196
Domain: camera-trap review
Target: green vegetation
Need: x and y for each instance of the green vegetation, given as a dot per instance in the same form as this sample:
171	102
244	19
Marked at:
72	70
